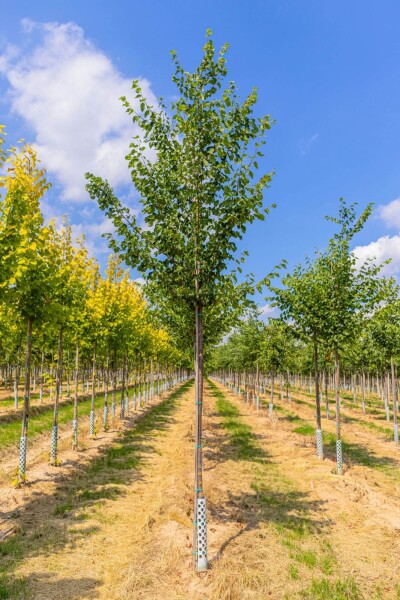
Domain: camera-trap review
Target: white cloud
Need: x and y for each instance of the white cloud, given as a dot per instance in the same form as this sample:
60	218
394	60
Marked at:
68	92
93	227
390	213
267	311
383	248
95	243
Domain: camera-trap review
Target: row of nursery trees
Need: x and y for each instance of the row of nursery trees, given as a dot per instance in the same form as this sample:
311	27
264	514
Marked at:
60	319
198	191
339	319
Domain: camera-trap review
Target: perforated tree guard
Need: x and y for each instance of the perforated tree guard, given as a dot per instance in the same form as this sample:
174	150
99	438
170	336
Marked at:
75	433
91	422
22	456
271	409
396	433
54	439
339	457
320	445
105	416
201	535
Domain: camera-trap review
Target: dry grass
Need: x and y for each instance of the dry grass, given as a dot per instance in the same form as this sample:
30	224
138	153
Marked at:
280	525
361	512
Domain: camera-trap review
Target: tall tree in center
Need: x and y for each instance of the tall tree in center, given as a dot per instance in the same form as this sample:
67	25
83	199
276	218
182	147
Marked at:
194	172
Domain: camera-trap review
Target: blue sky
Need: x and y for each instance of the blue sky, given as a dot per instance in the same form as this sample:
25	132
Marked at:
327	72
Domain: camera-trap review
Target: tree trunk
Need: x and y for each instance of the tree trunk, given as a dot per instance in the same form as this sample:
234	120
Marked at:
16	384
122	413
320	448
41	378
151	379
75	415
106	383
272	387
326	393
363	391
257	387
92	415
338	428
114	384
200	544
394	406
25	412
54	435
317	392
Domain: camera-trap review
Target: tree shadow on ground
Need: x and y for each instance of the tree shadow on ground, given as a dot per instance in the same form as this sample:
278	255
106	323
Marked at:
358	455
48	522
49	587
353	453
273	501
290	511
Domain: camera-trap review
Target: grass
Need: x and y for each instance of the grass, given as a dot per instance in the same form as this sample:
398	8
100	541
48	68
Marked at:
374	407
325	589
61	510
280	505
13	588
354	453
305	429
9	401
241	437
39	423
305	557
81	498
294	572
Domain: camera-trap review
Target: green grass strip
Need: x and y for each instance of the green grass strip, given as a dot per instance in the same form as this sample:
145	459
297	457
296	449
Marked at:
10	432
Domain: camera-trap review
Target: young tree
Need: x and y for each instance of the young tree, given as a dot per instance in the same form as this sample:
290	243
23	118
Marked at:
278	352
80	323
69	294
27	265
354	292
300	300
198	196
331	299
385	331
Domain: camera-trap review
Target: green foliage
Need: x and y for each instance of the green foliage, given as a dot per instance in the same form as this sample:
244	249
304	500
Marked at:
48	278
271	346
198	194
28	265
384	328
329	298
